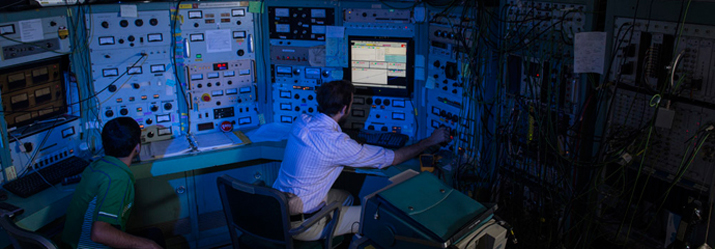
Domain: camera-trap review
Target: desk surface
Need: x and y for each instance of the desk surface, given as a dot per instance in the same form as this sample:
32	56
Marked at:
51	204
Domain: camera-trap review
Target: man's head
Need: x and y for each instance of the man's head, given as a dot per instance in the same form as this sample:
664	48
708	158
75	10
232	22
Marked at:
120	137
335	97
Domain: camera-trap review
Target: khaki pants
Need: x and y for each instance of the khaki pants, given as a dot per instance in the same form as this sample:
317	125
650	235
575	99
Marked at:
349	218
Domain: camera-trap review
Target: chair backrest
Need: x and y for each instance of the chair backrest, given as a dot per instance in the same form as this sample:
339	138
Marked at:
24	239
257	211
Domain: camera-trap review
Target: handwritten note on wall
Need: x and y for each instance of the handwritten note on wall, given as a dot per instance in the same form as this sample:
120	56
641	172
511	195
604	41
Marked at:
589	52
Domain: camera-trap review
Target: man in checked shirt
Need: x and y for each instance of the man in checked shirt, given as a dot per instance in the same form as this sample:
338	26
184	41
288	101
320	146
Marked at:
316	153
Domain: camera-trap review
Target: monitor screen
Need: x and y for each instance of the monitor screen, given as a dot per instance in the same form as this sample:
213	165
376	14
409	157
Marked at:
381	66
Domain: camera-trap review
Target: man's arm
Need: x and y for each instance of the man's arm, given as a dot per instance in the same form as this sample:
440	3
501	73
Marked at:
106	234
403	154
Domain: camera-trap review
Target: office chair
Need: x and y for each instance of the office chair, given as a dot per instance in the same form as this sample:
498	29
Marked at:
261	216
21	238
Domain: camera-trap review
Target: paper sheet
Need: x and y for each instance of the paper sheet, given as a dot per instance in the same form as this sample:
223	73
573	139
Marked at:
317	56
589	52
419	60
166	148
430	83
31	30
336	52
217	140
269	132
128	10
218	40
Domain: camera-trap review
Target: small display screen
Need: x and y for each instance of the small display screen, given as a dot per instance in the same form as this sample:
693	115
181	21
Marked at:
244	120
286	106
312	73
205	126
435	124
196	37
163	118
109	72
231	91
358	101
317	13
358	113
283	70
7	29
134	70
435	110
195	14
220	66
238	12
158	68
164	131
282	12
106	40
239	34
67	132
154	37
398	116
245	89
286	119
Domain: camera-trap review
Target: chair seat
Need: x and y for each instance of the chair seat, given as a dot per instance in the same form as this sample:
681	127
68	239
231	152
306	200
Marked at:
257	217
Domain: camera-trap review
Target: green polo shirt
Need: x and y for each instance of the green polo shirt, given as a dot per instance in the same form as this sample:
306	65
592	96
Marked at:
105	193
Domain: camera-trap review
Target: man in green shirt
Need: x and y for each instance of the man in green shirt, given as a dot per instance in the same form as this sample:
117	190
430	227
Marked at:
102	202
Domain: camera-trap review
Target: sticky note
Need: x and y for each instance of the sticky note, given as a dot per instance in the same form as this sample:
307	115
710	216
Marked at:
128	10
255	7
430	83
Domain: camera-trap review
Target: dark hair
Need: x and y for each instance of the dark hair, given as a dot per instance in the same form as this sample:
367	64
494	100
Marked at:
120	136
334	95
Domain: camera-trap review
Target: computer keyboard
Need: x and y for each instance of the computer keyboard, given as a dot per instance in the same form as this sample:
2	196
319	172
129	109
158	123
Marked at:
32	183
383	139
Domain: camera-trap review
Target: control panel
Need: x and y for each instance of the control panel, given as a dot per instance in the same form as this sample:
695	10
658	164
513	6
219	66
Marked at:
213	32
35	39
384	114
295	81
649	59
544	23
149	28
222	96
446	75
40	145
647	49
132	71
298	59
299	23
377	15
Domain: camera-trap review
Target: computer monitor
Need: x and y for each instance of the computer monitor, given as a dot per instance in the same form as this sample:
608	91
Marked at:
381	66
